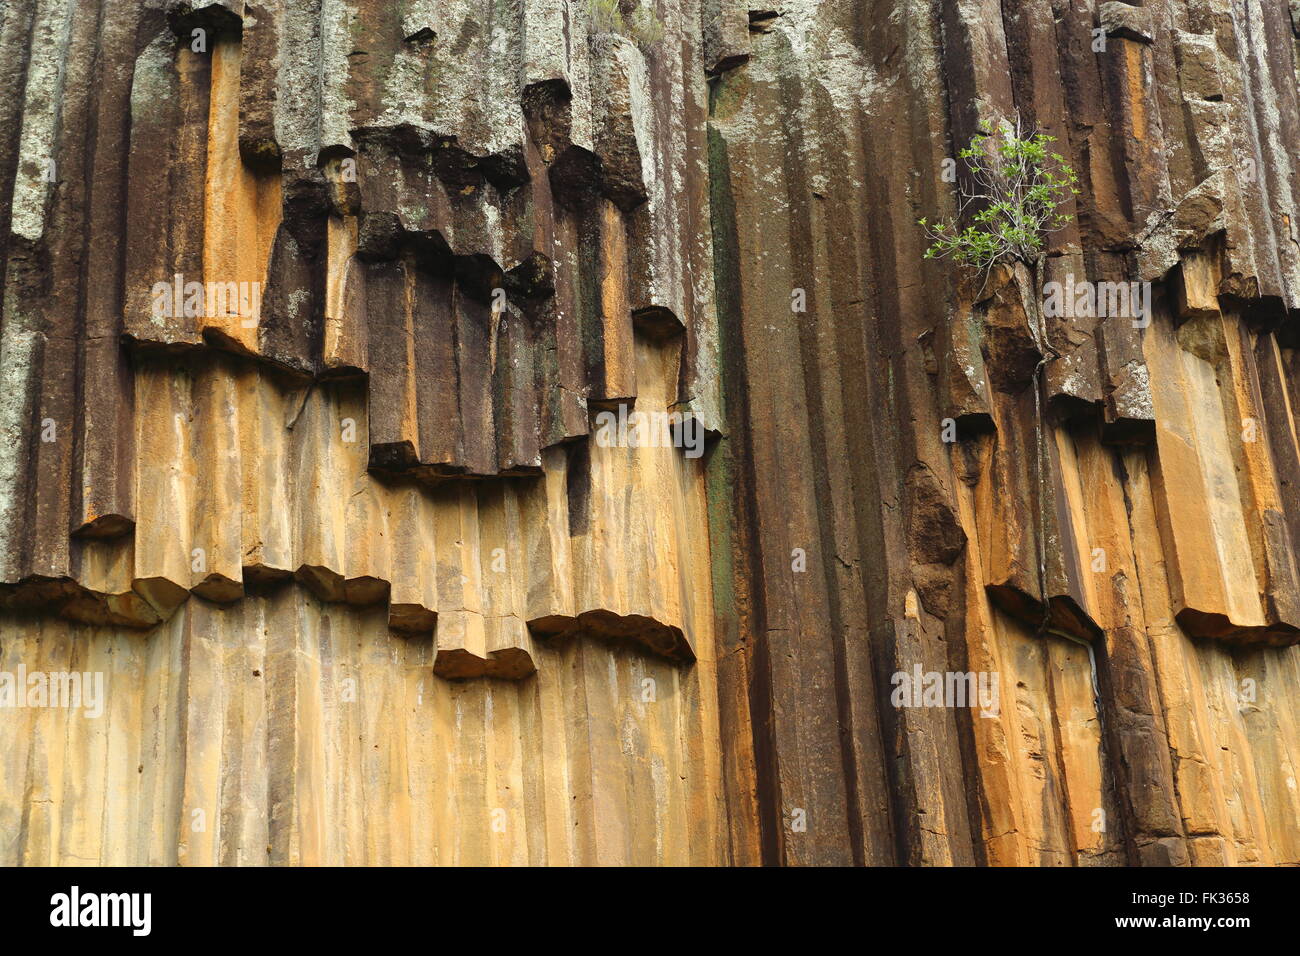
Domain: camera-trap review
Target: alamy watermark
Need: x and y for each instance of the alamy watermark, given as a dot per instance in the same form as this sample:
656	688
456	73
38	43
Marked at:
1070	299
69	689
635	429
74	908
947	689
213	300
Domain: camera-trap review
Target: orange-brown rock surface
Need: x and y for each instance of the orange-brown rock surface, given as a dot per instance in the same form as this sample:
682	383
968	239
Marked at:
315	319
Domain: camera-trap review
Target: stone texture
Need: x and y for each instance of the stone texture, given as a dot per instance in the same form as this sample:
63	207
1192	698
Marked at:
1128	20
367	588
1082	508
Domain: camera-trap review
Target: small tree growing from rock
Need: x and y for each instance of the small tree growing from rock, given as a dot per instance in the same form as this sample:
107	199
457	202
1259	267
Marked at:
1018	188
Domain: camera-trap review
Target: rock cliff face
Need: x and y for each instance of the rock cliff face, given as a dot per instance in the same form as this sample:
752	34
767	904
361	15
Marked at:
528	431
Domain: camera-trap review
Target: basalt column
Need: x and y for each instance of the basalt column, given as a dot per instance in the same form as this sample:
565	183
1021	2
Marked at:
530	432
1087	506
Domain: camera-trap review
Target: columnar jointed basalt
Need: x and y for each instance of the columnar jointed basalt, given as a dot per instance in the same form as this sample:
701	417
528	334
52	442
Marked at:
311	312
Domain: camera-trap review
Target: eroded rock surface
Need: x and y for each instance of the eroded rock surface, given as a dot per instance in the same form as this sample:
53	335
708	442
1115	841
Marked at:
310	313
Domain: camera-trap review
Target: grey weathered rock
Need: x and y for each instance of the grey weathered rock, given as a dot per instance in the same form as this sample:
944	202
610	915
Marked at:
1130	22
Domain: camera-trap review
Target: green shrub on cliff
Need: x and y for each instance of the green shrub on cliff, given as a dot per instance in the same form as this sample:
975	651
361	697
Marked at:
1018	188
